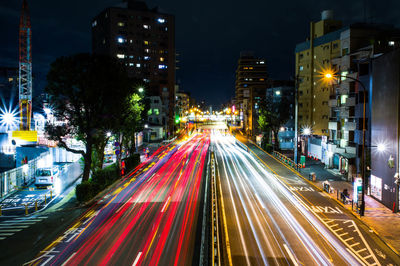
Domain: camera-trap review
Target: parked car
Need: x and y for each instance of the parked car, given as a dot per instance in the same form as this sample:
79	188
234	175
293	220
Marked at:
45	176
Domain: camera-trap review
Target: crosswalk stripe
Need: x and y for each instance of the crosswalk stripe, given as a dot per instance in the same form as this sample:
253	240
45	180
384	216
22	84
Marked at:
10	230
6	234
13	226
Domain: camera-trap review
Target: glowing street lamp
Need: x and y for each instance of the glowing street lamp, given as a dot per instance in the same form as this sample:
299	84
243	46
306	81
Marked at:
8	118
140	89
381	147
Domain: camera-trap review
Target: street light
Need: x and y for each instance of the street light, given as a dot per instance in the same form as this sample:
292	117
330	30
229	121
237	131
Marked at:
330	75
140	89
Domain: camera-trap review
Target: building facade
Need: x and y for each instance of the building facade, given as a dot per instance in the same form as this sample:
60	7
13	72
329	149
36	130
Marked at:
312	56
9	85
385	129
143	39
251	85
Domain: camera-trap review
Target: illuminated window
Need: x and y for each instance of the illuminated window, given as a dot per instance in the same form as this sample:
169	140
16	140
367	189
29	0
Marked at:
10	79
131	64
161	20
94	24
121	24
131	41
156	111
146	57
146	42
344	75
262	62
391	43
262	79
301	68
147	50
121	56
120	40
137	65
146	27
161	59
245	68
131	56
162	67
250	67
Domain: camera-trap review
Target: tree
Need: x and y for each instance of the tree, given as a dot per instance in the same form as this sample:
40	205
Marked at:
272	116
88	92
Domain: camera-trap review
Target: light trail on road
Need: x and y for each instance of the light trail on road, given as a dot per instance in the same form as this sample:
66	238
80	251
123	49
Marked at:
150	219
272	226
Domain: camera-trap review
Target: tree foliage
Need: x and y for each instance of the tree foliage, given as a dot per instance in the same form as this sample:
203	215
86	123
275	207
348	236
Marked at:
90	93
272	116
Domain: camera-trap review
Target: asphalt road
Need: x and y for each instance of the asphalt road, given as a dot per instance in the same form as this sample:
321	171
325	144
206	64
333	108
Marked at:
149	219
275	217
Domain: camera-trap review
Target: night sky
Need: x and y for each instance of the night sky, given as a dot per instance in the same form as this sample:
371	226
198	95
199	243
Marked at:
209	34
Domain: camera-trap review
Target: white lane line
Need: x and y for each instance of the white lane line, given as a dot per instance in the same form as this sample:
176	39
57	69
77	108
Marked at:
166	203
2	238
361	250
355	244
9	230
137	259
343	234
13	226
290	255
13	223
73	254
348	239
6	234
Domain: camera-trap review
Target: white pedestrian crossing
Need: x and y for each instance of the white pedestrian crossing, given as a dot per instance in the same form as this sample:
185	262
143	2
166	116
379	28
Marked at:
10	227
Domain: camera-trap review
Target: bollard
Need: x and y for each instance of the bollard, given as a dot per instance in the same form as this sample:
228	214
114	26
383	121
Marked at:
36	206
0	211
26	209
51	194
45	199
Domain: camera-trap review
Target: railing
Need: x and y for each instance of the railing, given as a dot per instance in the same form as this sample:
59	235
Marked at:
287	161
13	179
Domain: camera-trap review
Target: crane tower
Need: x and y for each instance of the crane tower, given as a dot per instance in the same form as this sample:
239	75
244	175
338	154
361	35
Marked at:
25	68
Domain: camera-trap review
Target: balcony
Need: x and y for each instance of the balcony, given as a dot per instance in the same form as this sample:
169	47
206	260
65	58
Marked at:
350	126
333	125
333	103
350	102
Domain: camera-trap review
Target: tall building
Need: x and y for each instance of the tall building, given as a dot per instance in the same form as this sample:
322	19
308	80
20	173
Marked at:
251	85
321	46
384	182
143	39
360	44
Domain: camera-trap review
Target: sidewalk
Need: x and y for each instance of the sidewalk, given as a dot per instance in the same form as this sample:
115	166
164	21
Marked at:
377	217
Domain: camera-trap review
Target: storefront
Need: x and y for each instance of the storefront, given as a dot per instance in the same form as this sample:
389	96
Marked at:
376	187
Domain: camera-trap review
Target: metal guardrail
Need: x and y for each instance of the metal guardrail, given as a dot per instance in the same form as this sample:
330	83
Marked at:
287	161
11	180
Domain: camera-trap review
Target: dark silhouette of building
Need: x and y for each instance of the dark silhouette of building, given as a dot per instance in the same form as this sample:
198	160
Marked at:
143	39
251	85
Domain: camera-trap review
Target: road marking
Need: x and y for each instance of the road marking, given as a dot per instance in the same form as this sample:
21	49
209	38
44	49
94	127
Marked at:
355	244
6	234
9	230
348	239
361	250
2	238
291	255
166	204
13	226
137	259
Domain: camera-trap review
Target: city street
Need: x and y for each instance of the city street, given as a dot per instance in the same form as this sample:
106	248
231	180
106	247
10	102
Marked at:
148	219
274	217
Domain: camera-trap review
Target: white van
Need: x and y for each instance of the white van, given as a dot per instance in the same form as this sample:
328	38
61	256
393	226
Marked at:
45	176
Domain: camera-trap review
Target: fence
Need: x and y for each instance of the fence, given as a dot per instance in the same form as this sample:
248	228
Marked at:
11	180
287	160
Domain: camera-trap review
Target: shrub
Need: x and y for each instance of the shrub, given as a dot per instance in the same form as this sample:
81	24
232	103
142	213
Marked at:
132	161
85	191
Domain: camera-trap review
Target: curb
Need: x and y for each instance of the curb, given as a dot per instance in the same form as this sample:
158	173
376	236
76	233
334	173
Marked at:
336	200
